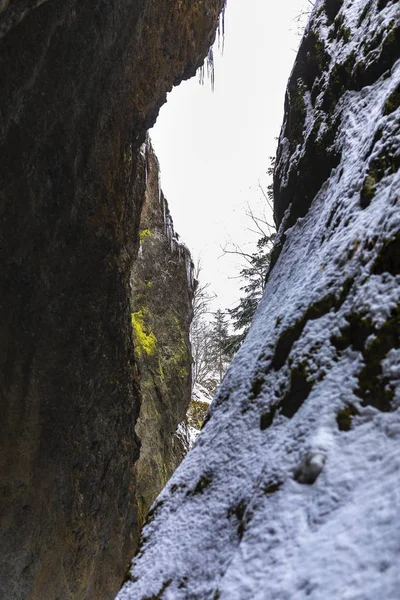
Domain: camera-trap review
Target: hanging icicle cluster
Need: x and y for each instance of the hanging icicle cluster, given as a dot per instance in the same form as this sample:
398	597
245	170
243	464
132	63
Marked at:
221	28
209	61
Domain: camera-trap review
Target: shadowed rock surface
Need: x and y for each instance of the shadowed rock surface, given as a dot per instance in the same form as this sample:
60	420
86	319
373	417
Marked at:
292	488
80	83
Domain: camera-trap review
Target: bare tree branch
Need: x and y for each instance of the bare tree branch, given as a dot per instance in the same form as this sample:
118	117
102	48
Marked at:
267	200
238	251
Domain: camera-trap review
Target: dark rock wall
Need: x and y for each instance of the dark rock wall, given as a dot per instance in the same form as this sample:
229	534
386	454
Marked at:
162	292
80	83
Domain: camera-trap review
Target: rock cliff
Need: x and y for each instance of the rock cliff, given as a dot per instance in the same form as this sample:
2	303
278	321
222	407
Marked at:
291	491
162	292
80	83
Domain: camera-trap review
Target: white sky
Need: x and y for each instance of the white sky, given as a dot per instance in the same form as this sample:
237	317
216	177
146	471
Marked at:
213	148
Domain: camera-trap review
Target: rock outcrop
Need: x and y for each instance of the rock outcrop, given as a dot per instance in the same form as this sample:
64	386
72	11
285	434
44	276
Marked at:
291	490
162	293
80	83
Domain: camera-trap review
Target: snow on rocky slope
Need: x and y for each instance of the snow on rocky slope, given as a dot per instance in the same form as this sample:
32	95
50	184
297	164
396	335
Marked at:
292	490
197	412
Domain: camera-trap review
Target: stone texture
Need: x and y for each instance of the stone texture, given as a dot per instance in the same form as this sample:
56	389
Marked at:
325	69
162	293
80	83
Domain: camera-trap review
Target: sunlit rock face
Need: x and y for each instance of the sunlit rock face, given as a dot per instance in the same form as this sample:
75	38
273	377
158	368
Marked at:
291	491
81	82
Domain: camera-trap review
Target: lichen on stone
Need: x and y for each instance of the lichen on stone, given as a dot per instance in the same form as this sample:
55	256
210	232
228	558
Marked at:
145	340
145	233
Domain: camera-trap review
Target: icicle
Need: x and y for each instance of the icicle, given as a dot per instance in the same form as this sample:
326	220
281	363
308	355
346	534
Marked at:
221	29
160	195
143	153
210	68
209	61
201	71
189	271
169	228
164	213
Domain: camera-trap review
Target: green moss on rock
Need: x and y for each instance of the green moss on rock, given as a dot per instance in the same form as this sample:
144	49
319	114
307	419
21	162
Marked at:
197	413
345	416
366	10
272	488
203	483
145	233
382	53
339	31
373	388
386	163
388	259
359	327
301	384
367	190
267	418
298	112
339	82
392	102
315	311
145	340
257	385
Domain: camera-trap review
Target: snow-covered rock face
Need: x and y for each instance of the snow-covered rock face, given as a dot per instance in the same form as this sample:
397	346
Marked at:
292	489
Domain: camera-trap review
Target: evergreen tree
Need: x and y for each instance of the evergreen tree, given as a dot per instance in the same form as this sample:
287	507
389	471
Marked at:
253	273
254	276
